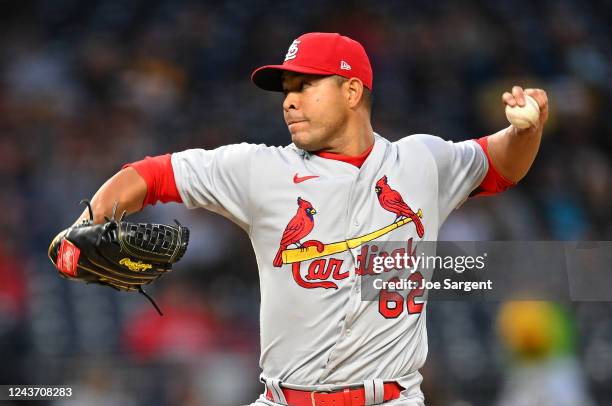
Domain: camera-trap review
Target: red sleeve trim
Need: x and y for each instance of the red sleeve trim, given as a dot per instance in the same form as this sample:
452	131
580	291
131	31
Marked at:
493	181
158	174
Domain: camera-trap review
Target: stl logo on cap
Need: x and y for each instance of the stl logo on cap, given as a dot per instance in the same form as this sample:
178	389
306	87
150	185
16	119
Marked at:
292	51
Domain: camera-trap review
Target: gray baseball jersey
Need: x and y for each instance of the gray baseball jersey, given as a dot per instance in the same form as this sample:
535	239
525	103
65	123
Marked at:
308	218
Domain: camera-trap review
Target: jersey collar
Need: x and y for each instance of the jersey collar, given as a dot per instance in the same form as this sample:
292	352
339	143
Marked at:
353	160
374	159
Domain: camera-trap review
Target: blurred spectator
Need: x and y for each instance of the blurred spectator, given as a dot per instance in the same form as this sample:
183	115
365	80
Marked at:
539	336
97	384
13	313
187	331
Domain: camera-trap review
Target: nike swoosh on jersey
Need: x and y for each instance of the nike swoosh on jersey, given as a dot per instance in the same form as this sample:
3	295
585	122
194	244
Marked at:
300	179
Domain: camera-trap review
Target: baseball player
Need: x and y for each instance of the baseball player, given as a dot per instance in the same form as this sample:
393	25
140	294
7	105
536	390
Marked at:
309	207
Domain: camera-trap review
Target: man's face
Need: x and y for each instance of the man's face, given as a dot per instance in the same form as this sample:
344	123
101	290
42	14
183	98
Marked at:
315	109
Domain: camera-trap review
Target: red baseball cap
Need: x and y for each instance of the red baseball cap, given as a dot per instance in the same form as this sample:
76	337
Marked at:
318	53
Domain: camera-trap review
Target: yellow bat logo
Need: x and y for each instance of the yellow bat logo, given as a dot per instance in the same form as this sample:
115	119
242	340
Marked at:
304	254
135	266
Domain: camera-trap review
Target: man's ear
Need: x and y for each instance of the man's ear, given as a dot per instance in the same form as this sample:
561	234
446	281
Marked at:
354	91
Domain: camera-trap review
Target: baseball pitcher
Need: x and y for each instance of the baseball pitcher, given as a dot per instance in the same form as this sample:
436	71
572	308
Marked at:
311	207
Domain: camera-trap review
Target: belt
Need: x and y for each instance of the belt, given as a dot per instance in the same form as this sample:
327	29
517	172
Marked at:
344	397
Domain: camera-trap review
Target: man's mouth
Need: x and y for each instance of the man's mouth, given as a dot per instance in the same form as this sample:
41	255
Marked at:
289	122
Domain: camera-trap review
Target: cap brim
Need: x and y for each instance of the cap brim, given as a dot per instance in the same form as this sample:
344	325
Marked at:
269	77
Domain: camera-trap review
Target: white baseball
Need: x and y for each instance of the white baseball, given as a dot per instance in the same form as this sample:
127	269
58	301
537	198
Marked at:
526	116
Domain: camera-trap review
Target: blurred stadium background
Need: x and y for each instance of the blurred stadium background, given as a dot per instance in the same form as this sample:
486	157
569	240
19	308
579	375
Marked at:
88	86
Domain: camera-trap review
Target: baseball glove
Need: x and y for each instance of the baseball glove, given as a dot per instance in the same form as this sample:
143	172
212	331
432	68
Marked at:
119	254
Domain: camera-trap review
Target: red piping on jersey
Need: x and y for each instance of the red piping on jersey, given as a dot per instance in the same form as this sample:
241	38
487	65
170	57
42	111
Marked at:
159	176
353	160
493	181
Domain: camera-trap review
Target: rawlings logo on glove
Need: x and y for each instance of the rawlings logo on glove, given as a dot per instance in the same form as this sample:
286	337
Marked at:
134	266
119	254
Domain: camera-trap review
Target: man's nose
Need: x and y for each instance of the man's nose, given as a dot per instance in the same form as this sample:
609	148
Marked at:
290	102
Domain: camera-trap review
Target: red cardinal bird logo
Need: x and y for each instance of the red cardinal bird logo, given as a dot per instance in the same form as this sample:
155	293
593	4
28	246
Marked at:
299	227
392	201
